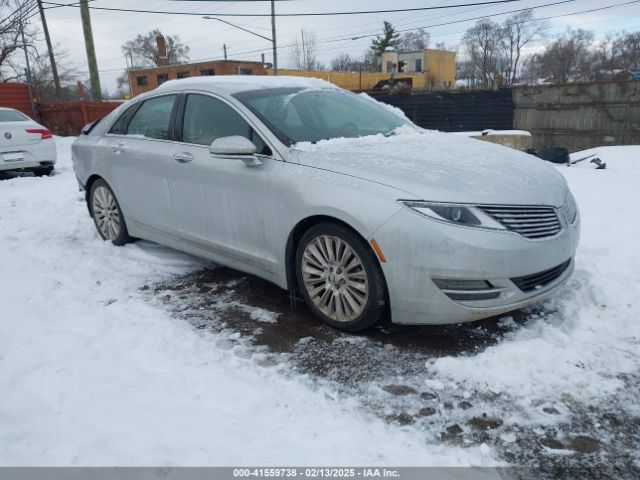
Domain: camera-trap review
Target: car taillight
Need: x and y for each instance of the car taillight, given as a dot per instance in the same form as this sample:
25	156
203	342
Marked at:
46	134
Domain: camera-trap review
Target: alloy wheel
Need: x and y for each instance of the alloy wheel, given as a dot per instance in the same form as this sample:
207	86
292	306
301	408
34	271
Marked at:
106	213
335	278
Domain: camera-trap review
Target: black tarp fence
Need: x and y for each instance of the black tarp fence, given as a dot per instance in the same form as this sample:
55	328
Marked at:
456	111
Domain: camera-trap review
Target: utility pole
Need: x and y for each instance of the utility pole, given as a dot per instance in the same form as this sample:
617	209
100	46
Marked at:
54	68
126	60
273	37
96	91
304	51
27	71
224	46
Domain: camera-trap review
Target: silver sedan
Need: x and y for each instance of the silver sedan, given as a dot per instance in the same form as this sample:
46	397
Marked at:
332	196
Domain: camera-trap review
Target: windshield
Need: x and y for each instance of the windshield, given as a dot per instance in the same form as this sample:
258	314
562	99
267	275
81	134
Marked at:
304	115
12	116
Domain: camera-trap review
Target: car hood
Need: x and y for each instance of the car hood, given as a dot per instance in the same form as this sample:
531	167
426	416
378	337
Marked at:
436	166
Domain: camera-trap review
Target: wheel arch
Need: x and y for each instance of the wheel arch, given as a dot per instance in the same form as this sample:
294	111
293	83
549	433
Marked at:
296	235
87	189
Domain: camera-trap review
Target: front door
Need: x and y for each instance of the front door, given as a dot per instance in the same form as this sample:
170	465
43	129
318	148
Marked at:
220	204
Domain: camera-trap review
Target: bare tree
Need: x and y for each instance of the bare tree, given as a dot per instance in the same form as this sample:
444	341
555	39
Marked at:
626	50
483	45
13	20
568	58
603	59
143	49
342	63
519	30
304	52
417	40
42	77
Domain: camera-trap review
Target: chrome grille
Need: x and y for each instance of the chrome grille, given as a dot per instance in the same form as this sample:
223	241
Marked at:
570	209
530	222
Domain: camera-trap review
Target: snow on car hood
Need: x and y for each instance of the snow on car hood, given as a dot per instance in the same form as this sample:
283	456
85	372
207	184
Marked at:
438	166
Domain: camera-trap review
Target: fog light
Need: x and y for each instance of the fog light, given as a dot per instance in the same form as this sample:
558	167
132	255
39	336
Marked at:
457	284
457	289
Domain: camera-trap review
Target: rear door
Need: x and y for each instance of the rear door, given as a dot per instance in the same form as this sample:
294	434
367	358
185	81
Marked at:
138	153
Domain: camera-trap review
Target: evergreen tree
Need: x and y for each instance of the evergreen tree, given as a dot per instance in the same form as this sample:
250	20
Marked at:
389	38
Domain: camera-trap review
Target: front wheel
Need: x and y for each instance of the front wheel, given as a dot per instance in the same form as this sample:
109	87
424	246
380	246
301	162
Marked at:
107	214
339	277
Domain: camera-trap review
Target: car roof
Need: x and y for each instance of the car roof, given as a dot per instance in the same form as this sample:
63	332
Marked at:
231	84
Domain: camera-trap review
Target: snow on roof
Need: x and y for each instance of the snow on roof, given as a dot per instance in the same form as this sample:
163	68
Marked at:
239	83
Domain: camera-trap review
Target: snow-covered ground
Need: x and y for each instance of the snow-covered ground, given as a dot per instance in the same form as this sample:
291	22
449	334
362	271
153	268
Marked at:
93	373
590	342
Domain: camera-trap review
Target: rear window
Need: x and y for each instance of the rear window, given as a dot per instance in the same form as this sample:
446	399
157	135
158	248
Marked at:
12	116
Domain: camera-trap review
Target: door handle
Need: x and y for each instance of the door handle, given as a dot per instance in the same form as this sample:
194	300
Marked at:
118	149
184	157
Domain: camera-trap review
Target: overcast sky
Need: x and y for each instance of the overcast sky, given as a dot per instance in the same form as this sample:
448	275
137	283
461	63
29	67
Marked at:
206	37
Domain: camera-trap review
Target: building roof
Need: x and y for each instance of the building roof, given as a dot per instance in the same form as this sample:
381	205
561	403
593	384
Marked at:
231	84
191	64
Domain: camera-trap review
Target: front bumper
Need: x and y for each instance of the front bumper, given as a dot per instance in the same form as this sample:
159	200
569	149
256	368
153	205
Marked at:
418	250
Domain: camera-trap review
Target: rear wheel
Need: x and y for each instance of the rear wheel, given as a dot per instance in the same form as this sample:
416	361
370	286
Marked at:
107	214
339	277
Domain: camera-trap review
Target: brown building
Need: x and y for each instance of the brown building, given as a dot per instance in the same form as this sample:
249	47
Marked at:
145	79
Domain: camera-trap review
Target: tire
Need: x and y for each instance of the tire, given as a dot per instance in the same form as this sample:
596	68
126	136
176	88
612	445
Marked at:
43	172
107	214
340	278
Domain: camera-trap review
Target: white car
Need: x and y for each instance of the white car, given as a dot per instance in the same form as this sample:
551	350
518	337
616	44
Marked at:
25	145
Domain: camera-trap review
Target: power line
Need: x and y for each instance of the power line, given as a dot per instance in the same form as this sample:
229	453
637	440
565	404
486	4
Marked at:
455	22
450	33
9	16
306	14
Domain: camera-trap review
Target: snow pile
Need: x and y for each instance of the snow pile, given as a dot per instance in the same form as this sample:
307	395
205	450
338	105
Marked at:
588	340
624	156
91	374
518	133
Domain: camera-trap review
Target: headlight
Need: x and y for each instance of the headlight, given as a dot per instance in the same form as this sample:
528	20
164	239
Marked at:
464	215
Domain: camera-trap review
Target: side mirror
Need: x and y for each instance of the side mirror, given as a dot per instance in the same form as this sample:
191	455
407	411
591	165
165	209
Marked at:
232	146
235	147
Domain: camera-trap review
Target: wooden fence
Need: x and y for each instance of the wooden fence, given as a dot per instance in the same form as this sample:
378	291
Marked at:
15	95
68	118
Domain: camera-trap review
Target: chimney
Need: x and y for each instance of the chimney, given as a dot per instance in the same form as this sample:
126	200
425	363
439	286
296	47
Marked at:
163	59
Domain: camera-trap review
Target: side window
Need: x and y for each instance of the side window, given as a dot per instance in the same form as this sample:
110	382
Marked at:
207	118
152	118
120	127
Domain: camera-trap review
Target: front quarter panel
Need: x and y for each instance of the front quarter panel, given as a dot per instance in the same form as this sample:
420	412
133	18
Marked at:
298	192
